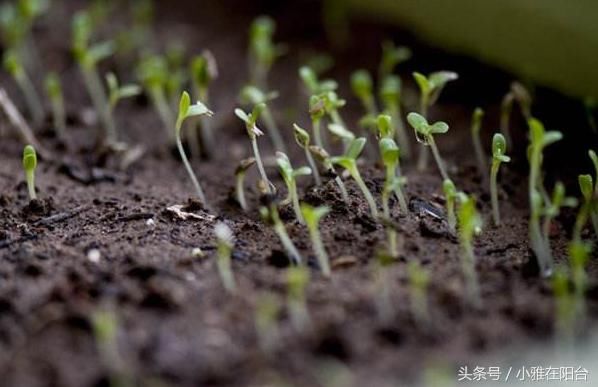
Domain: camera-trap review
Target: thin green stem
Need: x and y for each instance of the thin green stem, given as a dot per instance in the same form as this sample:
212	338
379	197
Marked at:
321	254
342	188
100	101
438	159
364	189
313	166
273	131
164	110
494	192
240	189
194	180
316	126
260	165
32	98
30	177
295	201
286	241
59	117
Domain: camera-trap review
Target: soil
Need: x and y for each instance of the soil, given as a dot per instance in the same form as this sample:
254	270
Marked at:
176	323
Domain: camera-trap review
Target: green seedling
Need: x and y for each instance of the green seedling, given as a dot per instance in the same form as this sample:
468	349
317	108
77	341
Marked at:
29	166
476	126
251	95
88	56
470	224
594	208
425	132
332	103
349	162
312	216
579	256
254	132
419	279
54	91
553	208
518	94
430	88
153	74
225	242
586	186
186	110
104	324
240	173
383	287
363	88
262	51
390	95
539	139
523	98
13	65
117	93
324	158
302	138
565	305
392	56
203	72
313	85
267	309
290	175
316	112
297	281
499	147
450	197
16	24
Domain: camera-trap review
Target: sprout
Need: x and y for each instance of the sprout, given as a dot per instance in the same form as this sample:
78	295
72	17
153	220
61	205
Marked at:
391	57
331	105
115	94
267	310
383	287
312	84
289	176
579	256
564	304
187	110
262	51
521	95
476	126
297	281
153	74
450	196
324	158
427	132
499	147
104	324
225	244
312	216
88	57
553	208
419	278
349	162
539	140
363	88
302	138
390	158
470	224
316	112
430	88
586	186
271	216
13	65
240	172
251	95
54	91
29	166
390	95
254	132
203	71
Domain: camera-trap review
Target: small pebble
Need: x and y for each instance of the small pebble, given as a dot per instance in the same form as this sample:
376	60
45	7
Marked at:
197	253
94	255
150	222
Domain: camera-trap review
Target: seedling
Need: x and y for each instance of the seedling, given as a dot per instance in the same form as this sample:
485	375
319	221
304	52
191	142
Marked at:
499	147
104	324
425	132
553	208
392	56
187	110
251	95
383	287
225	243
324	158
88	57
29	166
270	215
262	51
312	216
313	85
203	71
390	95
419	279
302	138
363	88
297	281
153	74
579	256
254	132
316	112
476	126
267	309
450	197
116	93
54	91
430	89
290	175
240	172
470	224
16	22
331	105
586	186
349	162
519	94
565	307
13	65
539	140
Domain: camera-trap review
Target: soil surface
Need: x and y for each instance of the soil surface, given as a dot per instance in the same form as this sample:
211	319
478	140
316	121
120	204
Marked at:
176	323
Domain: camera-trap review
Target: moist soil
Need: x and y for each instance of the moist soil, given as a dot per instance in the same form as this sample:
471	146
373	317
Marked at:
176	323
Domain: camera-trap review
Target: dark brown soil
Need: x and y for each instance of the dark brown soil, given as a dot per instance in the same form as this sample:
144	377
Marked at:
176	323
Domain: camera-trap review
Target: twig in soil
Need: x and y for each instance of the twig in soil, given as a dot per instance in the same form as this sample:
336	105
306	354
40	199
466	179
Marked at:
17	120
61	216
177	211
9	242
